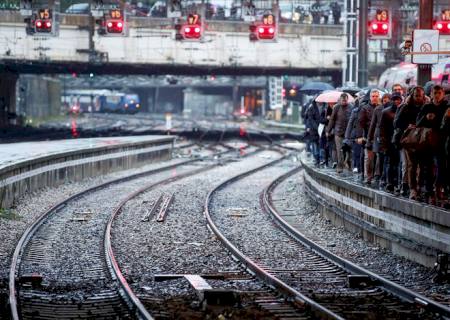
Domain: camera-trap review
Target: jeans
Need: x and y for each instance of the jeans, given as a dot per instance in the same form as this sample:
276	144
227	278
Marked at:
392	161
356	156
315	151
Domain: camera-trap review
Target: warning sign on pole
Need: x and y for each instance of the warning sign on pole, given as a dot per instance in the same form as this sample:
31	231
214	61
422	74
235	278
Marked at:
425	41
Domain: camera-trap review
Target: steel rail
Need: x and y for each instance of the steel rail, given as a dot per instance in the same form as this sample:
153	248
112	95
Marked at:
142	313
31	230
390	286
250	264
115	270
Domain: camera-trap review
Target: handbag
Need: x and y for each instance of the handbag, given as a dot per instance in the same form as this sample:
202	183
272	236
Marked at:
420	139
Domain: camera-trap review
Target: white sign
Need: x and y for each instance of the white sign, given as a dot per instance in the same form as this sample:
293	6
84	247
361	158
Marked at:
275	92
425	41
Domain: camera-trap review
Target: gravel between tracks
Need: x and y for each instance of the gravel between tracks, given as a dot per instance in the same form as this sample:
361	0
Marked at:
182	244
351	246
30	206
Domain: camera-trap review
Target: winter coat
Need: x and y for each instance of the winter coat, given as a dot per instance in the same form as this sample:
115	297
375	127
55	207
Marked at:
438	111
353	129
445	129
386	128
405	116
339	120
312	121
365	117
325	112
374	129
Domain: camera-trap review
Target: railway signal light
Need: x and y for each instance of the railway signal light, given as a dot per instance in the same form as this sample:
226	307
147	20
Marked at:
380	26
43	25
443	24
443	27
44	21
264	30
114	26
192	30
113	23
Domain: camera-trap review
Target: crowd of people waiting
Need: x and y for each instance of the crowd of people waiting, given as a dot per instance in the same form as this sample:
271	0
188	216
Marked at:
398	141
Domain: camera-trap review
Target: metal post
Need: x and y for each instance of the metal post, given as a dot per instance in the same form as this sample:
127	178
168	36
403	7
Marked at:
425	22
92	55
350	67
362	44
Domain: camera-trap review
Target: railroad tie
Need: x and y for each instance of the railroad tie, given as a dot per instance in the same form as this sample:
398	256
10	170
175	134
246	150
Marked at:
164	207
151	212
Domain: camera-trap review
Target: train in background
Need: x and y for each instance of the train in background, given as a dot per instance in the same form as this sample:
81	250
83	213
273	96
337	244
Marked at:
406	74
82	101
119	103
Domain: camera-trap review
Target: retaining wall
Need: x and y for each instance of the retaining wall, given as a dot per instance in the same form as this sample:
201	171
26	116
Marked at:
58	168
408	228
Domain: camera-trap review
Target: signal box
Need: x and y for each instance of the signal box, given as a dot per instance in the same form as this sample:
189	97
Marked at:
192	30
380	25
443	24
266	29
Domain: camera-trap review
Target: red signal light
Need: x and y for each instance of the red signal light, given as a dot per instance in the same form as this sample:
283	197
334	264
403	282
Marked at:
192	32
43	25
266	32
114	26
443	27
379	28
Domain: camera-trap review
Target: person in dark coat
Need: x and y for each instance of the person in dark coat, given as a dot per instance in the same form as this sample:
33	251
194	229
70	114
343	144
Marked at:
445	129
337	126
364	119
431	116
326	144
316	12
391	152
404	119
373	139
352	132
336	11
312	116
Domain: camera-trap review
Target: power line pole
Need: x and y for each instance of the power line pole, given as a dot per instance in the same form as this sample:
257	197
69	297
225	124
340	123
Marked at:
362	44
425	22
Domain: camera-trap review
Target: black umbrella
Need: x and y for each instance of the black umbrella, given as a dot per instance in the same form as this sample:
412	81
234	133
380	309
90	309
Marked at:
350	90
315	87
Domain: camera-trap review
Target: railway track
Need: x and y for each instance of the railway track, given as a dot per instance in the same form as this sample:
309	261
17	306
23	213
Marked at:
329	287
48	282
166	294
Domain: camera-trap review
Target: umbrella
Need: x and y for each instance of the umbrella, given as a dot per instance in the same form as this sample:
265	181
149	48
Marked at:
315	87
332	97
351	90
368	88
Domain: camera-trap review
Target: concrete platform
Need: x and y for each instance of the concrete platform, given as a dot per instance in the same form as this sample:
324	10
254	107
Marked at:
408	228
29	166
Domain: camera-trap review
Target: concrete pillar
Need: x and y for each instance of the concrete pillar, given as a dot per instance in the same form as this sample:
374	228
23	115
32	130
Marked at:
42	96
7	98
